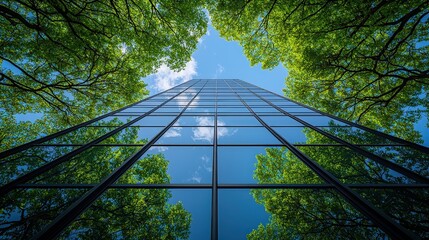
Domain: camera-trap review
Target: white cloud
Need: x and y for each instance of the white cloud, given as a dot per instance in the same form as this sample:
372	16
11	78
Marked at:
173	132
161	149
219	71
165	78
206	133
203	133
206	163
204	169
196	179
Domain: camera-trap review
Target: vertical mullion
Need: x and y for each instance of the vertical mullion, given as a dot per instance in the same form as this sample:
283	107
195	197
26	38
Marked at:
73	211
392	228
214	219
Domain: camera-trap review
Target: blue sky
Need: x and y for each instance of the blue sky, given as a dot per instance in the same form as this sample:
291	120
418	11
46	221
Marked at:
218	58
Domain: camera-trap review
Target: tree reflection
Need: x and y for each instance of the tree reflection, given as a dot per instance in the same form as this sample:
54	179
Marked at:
118	213
26	161
323	214
303	213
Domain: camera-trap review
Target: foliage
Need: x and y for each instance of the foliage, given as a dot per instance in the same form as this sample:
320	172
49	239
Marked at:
73	60
362	60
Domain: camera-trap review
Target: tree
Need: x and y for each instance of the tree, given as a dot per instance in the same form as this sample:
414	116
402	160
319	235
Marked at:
77	59
118	213
365	61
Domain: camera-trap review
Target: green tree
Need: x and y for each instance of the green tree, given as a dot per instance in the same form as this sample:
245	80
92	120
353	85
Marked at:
362	60
73	60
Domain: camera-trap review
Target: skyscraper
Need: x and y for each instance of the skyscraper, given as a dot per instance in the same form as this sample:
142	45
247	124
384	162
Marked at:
219	159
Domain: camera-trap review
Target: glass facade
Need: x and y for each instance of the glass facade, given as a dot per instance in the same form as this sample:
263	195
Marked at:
216	159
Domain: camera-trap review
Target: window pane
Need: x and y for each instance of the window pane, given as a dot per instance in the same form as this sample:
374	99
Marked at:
406	157
350	167
280	121
291	214
239	214
231	109
194	121
145	214
90	166
265	165
409	207
237	121
25	212
23	162
302	135
81	135
356	136
113	121
140	110
245	135
154	121
187	135
270	110
322	121
171	165
133	135
199	110
297	110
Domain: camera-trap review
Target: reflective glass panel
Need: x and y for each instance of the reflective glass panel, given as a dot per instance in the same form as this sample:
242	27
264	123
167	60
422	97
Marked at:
280	121
113	121
171	165
291	214
140	110
237	121
264	165
296	110
154	121
23	162
90	166
302	135
322	121
232	109
265	110
187	135
404	156
409	207
81	135
133	135
356	136
145	214
199	110
239	214
194	121
25	212
351	167
245	135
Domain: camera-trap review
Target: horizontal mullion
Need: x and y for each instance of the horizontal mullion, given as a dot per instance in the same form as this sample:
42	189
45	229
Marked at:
231	186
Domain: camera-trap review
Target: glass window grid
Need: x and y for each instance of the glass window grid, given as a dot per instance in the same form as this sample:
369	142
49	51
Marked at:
248	97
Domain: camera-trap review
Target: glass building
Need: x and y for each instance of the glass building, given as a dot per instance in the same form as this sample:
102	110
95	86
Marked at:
215	159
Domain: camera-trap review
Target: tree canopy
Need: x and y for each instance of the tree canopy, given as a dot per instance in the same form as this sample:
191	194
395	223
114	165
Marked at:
73	60
362	60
